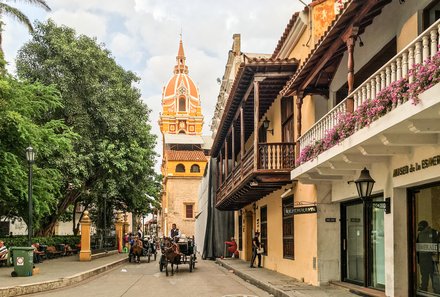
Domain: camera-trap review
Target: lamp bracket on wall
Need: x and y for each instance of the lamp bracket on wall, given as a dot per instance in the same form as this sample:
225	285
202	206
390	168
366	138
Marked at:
266	124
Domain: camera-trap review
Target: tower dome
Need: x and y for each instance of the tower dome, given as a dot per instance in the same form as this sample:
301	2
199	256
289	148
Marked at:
181	100
180	83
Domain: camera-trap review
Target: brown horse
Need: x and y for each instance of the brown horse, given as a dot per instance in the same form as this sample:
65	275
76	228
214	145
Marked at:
136	251
172	255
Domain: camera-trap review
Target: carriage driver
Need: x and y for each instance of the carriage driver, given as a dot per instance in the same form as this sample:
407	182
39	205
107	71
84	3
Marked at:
174	233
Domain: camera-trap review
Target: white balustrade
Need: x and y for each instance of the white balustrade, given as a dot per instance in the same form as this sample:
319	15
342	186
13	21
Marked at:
398	68
420	49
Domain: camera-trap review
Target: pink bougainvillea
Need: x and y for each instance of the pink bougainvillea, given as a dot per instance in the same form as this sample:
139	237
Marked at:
424	76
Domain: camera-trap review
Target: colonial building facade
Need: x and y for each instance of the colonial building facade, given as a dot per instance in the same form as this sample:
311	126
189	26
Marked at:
352	84
184	149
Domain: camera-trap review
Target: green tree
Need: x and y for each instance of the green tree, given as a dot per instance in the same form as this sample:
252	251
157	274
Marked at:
23	111
116	153
17	14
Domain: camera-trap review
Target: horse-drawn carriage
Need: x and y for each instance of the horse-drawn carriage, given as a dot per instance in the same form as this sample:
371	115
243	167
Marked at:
145	248
181	252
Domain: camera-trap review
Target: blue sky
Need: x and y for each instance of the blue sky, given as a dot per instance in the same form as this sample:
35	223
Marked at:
143	36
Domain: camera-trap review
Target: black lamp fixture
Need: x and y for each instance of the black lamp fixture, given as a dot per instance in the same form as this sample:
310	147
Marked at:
364	186
361	43
254	207
30	157
266	124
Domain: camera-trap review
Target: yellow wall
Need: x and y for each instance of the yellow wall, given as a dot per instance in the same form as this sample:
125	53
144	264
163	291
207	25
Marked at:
180	191
408	33
171	168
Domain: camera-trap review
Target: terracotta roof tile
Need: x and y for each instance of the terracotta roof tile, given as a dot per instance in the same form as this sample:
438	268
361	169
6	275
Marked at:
311	54
267	61
185	156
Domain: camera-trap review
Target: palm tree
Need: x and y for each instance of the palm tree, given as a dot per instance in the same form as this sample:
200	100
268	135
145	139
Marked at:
6	9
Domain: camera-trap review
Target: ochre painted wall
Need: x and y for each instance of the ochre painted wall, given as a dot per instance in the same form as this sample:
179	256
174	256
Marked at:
407	33
171	168
181	191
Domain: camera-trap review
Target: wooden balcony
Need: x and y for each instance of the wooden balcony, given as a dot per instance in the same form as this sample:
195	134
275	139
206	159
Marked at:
260	172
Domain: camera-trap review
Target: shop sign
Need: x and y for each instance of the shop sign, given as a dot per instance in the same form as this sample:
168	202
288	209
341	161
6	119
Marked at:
330	220
299	210
425	163
427	247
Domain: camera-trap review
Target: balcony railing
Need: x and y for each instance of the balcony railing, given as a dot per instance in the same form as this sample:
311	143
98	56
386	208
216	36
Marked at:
272	158
276	156
423	47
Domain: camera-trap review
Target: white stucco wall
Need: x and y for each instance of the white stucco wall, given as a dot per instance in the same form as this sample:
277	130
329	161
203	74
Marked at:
384	27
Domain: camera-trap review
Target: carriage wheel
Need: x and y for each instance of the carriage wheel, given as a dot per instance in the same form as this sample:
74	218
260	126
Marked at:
194	262
191	263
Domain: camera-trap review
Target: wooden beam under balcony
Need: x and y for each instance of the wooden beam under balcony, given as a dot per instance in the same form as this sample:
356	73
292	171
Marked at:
251	181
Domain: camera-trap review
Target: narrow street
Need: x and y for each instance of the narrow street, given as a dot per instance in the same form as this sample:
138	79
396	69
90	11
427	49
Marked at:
145	279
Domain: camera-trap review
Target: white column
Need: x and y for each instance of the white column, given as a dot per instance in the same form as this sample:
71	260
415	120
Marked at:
396	243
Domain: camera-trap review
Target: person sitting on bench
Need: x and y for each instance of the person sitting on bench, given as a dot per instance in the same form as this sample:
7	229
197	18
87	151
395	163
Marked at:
3	251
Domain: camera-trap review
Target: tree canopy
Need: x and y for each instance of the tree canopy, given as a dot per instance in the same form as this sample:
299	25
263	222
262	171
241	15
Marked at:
23	108
114	155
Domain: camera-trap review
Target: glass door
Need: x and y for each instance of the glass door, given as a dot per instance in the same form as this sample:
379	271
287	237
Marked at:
424	230
363	245
353	243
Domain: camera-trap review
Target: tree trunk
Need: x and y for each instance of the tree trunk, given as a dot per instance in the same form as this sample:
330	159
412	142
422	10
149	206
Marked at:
50	222
76	229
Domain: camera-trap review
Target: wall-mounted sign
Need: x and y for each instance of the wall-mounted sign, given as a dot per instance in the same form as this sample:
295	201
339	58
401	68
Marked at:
299	210
425	163
330	220
355	220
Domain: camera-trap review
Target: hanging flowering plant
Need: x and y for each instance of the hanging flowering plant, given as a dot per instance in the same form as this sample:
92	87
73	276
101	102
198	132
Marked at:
339	6
424	76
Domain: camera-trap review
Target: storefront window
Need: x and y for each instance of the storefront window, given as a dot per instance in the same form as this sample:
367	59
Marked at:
426	236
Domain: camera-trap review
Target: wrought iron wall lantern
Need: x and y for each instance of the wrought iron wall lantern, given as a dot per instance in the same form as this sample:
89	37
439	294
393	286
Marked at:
364	186
254	207
266	124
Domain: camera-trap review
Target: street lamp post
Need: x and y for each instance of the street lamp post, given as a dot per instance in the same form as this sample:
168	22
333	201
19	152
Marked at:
364	186
30	157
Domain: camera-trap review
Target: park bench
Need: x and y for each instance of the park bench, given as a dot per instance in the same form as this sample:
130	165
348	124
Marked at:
52	252
70	251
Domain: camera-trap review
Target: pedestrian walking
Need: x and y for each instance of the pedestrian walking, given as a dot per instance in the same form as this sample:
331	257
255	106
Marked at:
256	250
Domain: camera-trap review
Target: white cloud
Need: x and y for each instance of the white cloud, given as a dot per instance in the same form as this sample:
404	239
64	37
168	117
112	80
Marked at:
83	22
143	36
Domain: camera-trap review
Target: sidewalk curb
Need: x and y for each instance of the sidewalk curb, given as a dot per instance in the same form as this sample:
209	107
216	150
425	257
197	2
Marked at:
262	285
58	283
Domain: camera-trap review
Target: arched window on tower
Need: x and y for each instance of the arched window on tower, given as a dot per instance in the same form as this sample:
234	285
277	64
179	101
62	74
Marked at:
182	104
195	168
180	168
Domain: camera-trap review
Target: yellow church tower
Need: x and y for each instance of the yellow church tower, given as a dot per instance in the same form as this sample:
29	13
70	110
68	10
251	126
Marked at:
185	150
